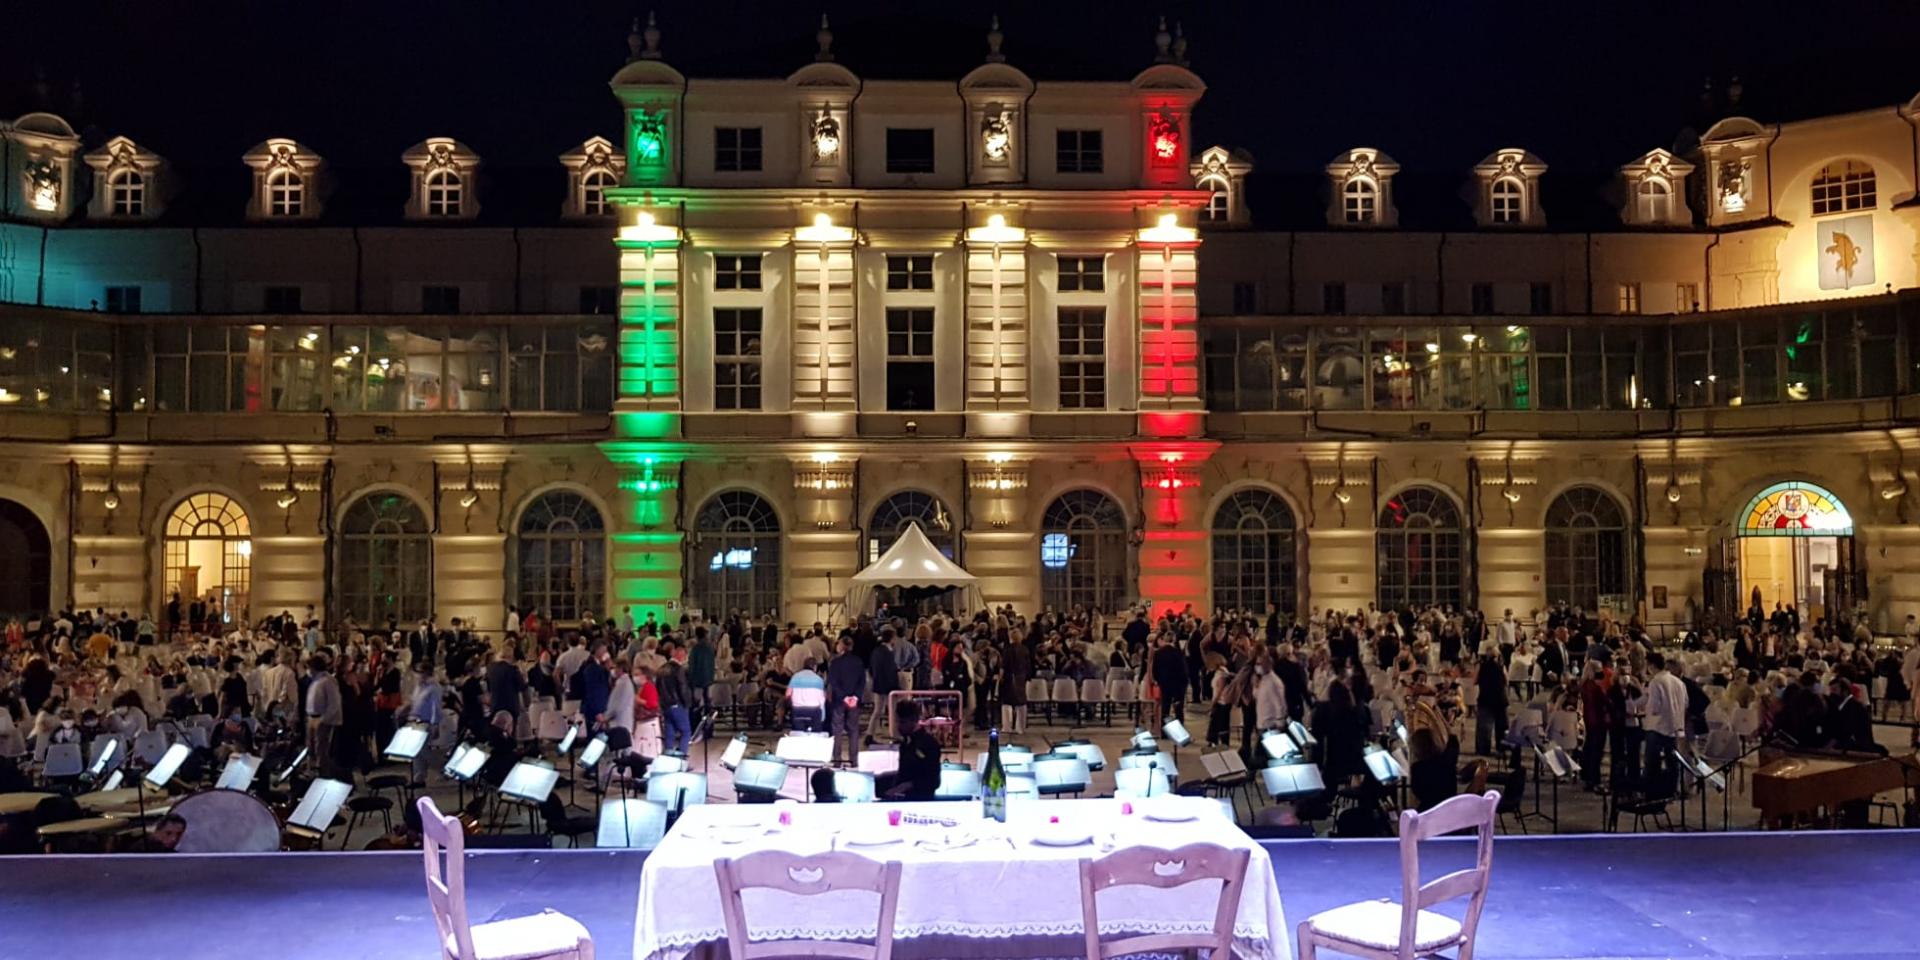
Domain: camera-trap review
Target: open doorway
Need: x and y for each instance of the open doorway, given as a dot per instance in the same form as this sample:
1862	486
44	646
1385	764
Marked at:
1794	547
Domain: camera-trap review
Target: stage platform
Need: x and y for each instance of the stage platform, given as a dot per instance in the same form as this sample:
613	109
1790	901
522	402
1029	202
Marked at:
1835	896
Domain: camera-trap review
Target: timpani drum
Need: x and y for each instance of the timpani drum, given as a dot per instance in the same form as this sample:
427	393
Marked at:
227	821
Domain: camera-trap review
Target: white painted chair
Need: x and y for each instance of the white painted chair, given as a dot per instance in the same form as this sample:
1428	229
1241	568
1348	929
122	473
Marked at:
542	936
806	876
1164	869
1385	930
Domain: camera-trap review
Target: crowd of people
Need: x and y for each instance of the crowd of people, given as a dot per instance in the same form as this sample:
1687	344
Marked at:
1434	676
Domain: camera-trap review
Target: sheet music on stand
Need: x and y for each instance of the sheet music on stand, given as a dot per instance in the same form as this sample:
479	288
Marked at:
595	749
239	772
736	751
1383	767
1177	732
757	775
114	780
530	782
1292	780
631	824
466	761
1224	766
805	749
318	808
407	742
1702	771
163	772
566	740
1559	763
1301	737
292	765
1142	740
1279	746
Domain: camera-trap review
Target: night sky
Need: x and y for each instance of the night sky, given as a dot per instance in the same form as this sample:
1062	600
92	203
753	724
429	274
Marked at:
1437	84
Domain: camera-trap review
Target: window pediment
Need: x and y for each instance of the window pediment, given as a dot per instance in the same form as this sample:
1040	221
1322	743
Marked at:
592	167
1656	191
1361	181
444	173
288	181
126	181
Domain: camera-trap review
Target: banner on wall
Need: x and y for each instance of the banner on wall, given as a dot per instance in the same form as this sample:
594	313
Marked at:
1845	251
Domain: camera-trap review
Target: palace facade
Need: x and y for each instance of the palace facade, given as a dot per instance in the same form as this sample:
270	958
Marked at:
722	362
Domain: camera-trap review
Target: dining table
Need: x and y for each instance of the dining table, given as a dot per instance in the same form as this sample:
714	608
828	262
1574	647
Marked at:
970	886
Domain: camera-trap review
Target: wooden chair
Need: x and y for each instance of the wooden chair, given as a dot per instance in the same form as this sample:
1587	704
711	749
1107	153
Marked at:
543	936
806	876
1387	930
1165	869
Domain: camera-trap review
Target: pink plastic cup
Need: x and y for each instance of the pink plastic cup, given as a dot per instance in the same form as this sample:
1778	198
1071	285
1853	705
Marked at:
893	818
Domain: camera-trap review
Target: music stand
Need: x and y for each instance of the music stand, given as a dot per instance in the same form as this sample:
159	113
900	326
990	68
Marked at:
105	758
113	780
1087	750
463	765
1560	766
565	743
957	783
681	790
1142	740
1177	732
631	823
529	784
407	743
294	765
736	751
1139	781
1277	745
1301	736
1060	773
1226	770
1384	767
1292	781
163	772
760	778
315	813
805	750
879	760
239	772
852	786
1703	775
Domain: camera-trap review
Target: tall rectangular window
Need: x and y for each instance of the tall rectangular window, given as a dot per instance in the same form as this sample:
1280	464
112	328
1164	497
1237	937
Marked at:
1083	358
123	299
736	359
1686	298
913	272
736	271
1393	299
1481	298
600	300
1540	299
1077	151
280	300
1082	274
439	299
1333	298
736	149
1629	298
562	367
909	150
910	365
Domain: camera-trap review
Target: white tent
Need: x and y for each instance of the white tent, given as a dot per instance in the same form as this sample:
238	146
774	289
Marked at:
913	561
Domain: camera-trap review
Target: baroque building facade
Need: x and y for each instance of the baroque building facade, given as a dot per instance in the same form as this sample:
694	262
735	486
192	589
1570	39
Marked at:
722	363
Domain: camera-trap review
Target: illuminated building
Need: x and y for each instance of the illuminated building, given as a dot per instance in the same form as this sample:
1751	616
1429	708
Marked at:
774	321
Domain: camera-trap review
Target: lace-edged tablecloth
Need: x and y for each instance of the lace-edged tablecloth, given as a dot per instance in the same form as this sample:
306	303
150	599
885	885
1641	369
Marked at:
995	884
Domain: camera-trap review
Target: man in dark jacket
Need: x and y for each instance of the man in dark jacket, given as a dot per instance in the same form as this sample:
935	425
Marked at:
506	686
592	685
1169	669
886	678
846	682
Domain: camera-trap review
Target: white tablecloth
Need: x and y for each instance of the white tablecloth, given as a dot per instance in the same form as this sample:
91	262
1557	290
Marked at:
1003	886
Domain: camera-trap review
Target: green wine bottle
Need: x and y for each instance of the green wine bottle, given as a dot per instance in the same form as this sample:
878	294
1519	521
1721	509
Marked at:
993	783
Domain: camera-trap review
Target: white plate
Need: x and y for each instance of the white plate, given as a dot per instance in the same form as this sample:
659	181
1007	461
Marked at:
871	840
1063	839
1172	815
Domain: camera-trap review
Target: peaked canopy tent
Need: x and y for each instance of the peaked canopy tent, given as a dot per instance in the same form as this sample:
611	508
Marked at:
913	563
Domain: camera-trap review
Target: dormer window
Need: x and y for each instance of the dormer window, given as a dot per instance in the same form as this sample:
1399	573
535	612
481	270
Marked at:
443	193
1223	175
1216	211
1656	191
1509	201
594	169
443	172
286	194
1509	194
127	193
1655	201
1361	200
1843	186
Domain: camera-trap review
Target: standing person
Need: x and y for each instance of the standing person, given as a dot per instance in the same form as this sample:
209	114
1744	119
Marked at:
846	681
886	678
1598	718
1169	670
423	707
324	712
1665	724
701	660
1490	706
592	685
506	685
675	695
1016	666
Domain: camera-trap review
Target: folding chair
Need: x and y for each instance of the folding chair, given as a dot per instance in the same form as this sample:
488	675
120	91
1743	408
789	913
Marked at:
1385	930
1164	869
542	936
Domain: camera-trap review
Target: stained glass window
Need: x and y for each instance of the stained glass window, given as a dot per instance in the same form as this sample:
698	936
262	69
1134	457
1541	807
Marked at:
1795	509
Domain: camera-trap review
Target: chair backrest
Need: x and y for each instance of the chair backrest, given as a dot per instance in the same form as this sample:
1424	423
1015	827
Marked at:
1065	690
150	747
1466	811
1121	691
1165	869
446	877
806	876
1093	690
1037	689
63	760
720	695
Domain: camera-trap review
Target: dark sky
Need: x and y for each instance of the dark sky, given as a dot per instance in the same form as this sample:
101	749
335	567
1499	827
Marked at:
1436	83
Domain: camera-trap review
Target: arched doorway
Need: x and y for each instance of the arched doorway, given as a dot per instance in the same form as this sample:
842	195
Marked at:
1793	545
26	562
736	556
894	514
1085	560
1421	551
209	553
1587	551
1253	553
563	557
385	569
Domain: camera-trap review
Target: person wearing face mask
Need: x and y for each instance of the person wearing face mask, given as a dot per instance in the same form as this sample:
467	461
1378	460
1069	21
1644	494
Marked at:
1269	695
67	731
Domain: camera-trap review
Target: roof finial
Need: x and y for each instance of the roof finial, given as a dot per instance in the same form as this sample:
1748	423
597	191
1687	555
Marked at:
1179	43
994	39
825	39
634	41
1161	40
652	37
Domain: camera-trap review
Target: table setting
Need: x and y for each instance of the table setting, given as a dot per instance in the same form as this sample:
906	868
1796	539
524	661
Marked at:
970	886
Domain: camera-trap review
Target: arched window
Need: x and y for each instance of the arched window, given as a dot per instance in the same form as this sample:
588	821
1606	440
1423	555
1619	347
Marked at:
1842	186
209	553
443	193
1361	200
1253	553
286	194
1586	548
736	555
593	192
891	518
1420	548
127	194
1216	210
1509	201
386	560
1084	553
563	557
1655	199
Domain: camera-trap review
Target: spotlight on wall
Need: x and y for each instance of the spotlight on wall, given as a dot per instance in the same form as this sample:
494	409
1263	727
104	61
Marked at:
468	499
287	499
112	500
1512	495
1342	495
1673	493
1894	490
